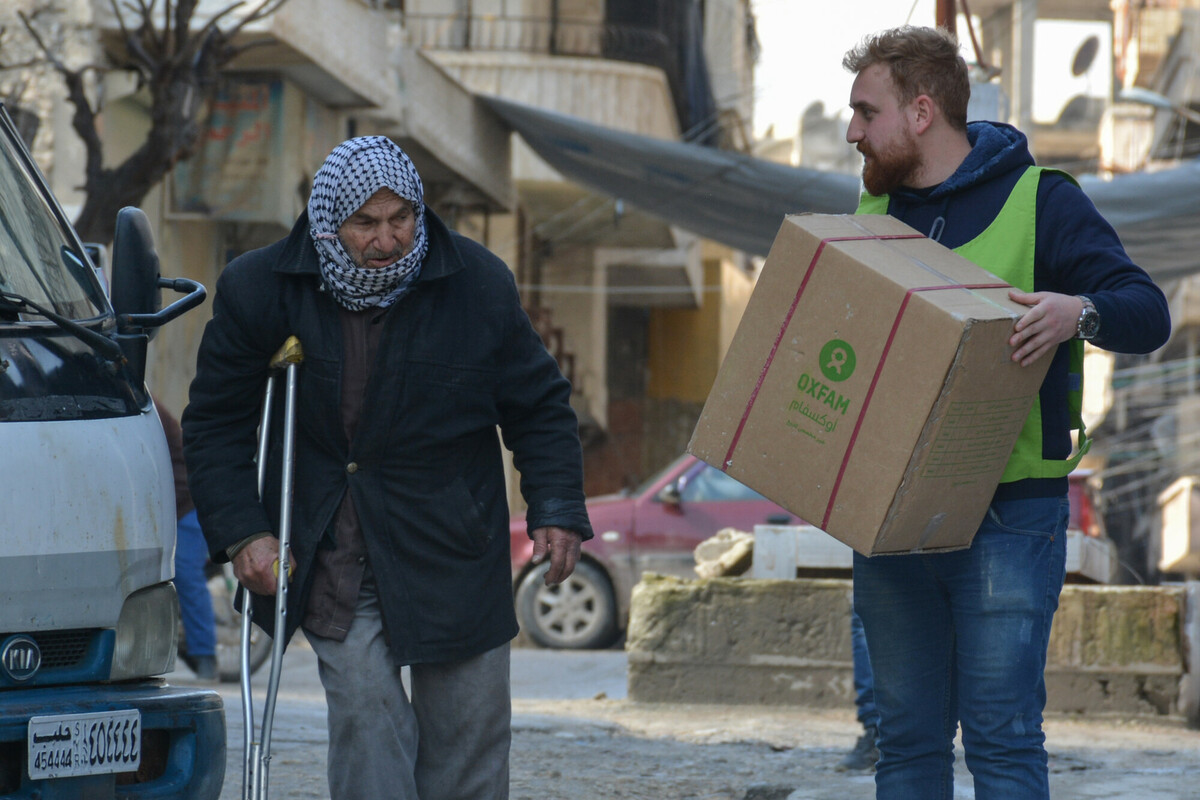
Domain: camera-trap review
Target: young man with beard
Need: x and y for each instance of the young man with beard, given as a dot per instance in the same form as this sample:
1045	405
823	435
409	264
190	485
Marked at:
961	637
416	350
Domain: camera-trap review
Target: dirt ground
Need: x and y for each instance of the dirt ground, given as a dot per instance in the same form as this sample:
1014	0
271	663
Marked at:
618	749
576	737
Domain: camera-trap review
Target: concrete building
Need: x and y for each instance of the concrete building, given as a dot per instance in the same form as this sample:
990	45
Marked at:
637	312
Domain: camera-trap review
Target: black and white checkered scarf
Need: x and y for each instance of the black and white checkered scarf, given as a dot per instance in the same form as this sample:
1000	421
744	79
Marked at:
352	173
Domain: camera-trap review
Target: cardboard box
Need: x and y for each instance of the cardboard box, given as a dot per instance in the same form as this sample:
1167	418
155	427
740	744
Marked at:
869	387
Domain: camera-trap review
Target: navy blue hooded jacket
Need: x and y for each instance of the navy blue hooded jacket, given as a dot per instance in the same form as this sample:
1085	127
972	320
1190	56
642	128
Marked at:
1077	252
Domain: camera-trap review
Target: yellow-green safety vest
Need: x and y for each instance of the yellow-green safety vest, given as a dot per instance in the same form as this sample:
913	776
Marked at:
1006	249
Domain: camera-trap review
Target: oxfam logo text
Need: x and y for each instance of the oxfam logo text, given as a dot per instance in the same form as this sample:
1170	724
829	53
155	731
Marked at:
837	360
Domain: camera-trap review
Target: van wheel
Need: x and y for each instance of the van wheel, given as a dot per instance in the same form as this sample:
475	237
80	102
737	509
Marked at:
578	614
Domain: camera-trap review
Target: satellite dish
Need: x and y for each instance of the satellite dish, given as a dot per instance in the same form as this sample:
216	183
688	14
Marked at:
1085	55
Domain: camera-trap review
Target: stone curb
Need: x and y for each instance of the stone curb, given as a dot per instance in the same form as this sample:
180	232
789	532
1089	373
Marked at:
1113	649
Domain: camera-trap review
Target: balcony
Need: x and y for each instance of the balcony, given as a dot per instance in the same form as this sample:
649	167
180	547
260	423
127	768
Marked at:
548	35
287	43
582	68
461	151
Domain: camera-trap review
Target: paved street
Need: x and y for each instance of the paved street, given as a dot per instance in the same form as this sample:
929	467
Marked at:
576	736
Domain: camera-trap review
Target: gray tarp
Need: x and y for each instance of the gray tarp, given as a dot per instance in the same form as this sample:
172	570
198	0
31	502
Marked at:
740	200
1157	215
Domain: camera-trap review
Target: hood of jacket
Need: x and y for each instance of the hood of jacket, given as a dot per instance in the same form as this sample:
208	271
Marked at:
996	149
958	208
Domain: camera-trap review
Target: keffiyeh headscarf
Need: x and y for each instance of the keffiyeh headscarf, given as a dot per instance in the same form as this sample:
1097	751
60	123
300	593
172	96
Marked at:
352	173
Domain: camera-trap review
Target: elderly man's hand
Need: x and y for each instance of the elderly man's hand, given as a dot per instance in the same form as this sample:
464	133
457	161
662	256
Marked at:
1051	320
256	565
563	547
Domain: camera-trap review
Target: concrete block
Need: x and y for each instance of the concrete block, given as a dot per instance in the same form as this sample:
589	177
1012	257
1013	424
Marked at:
1136	628
731	640
1112	649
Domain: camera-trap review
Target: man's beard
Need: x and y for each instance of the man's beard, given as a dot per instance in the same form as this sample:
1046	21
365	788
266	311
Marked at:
377	255
886	171
360	258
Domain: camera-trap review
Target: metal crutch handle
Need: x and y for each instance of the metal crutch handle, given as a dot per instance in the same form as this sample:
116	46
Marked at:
257	754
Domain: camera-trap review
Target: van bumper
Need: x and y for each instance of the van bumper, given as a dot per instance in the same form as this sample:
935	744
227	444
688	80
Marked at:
183	741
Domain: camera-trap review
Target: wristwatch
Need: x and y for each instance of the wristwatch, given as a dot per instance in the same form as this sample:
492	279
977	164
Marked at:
1089	320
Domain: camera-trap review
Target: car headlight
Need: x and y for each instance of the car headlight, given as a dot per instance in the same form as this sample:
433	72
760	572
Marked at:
147	633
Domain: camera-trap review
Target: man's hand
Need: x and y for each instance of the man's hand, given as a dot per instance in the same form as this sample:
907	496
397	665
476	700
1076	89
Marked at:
563	546
256	567
1051	320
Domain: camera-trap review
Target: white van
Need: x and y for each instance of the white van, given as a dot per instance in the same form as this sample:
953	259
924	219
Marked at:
88	614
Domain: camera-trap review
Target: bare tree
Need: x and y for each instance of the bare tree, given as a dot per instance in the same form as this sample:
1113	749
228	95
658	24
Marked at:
178	59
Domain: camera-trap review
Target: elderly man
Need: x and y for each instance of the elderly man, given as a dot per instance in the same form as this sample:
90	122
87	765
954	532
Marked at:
416	351
961	637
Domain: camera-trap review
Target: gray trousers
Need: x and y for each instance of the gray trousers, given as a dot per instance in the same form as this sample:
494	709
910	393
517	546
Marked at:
450	742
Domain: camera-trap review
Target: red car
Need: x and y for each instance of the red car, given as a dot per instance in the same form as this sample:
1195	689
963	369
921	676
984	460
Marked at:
655	528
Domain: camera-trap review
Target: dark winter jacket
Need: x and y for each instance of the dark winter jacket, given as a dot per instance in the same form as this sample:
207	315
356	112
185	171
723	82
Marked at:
1076	252
457	359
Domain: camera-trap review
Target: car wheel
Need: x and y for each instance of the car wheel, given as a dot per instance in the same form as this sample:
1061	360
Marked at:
578	614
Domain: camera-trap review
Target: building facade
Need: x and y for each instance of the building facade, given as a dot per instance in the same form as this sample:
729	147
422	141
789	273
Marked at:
637	312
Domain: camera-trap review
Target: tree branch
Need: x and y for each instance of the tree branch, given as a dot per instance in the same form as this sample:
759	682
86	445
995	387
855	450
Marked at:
180	67
264	9
134	50
33	62
40	42
184	11
214	22
84	122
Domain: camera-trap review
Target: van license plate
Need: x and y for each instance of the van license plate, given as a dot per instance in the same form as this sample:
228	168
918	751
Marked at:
85	744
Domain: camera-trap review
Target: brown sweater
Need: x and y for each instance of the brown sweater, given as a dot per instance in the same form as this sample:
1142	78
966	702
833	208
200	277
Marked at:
340	563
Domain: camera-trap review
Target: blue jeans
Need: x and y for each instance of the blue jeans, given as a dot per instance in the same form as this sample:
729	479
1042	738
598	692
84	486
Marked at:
864	681
195	602
961	637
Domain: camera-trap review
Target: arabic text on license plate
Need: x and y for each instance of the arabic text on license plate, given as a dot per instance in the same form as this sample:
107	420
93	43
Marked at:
85	744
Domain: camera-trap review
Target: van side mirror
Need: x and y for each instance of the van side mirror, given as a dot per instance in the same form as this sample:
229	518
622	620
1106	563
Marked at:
670	494
135	267
135	288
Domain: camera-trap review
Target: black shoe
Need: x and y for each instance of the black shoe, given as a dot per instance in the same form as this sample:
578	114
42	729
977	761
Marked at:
205	667
864	755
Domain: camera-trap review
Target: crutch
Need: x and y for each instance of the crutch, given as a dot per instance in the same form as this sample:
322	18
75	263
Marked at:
256	754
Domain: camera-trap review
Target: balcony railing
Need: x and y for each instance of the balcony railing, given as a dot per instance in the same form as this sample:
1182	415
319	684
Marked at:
526	34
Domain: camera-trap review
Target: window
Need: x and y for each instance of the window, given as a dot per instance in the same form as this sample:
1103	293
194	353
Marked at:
711	484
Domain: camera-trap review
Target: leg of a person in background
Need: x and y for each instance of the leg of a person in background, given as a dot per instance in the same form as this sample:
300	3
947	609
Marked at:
195	602
864	754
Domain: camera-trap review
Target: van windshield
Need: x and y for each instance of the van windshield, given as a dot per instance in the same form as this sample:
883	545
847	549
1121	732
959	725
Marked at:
40	259
47	371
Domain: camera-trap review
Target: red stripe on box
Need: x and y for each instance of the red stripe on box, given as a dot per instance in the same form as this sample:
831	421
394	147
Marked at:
875	379
737	435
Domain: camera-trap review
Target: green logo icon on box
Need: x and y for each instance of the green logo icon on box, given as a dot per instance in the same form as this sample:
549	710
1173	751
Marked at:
837	360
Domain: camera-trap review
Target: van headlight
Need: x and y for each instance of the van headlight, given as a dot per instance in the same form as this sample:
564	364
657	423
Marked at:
147	634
